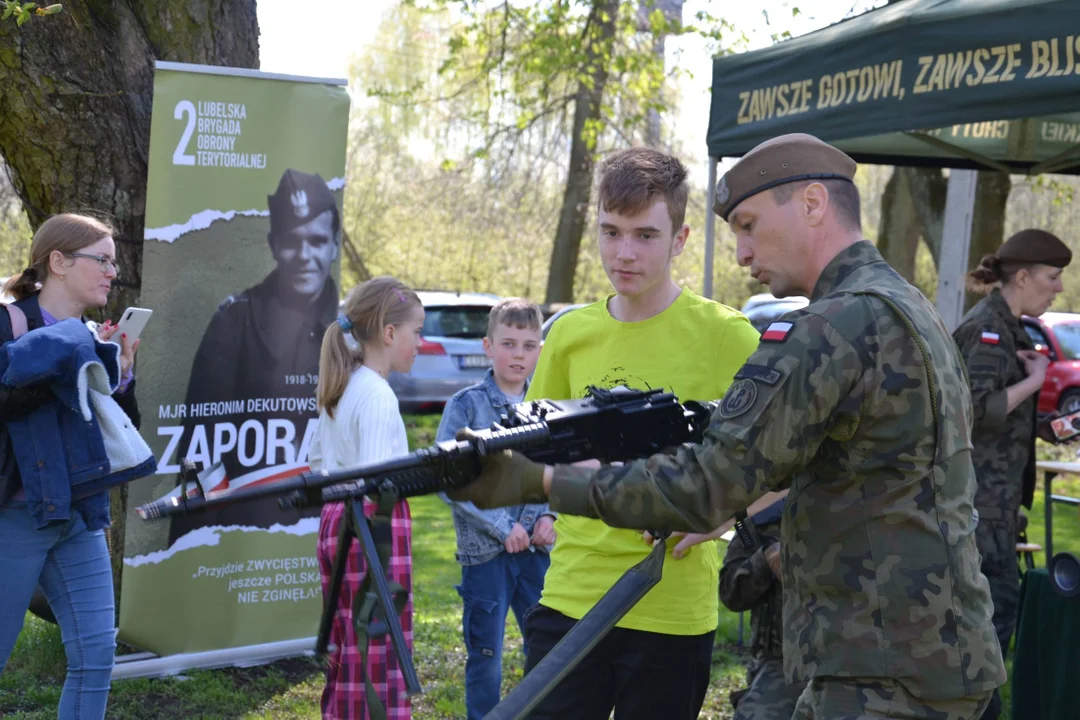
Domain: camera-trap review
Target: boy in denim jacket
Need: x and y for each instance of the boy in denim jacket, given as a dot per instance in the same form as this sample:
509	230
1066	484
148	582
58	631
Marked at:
503	552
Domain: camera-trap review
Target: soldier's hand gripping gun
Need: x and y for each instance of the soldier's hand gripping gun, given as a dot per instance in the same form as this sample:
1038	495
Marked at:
608	425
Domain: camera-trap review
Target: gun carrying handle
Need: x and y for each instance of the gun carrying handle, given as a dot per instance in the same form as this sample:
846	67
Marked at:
746	531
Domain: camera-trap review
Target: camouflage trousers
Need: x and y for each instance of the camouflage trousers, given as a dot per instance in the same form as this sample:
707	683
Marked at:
856	698
996	537
769	697
996	540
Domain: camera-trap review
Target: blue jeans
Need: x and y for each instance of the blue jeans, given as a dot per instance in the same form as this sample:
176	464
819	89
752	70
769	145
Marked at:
489	590
71	564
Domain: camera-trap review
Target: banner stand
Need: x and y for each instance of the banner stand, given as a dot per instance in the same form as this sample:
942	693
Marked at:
143	665
241	266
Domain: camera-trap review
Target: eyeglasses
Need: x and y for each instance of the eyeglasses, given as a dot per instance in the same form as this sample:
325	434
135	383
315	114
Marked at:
104	262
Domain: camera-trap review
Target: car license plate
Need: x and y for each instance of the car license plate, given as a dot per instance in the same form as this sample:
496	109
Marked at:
475	361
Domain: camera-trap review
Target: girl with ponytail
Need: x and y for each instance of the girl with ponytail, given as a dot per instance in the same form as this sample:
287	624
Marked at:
377	332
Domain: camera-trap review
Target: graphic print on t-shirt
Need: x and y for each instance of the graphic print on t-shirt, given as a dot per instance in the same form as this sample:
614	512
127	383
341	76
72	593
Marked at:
613	378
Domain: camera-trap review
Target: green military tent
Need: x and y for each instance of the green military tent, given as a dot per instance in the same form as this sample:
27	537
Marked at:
963	84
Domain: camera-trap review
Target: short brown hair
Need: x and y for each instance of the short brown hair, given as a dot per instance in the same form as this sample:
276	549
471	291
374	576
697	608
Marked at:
843	195
633	180
515	312
64	233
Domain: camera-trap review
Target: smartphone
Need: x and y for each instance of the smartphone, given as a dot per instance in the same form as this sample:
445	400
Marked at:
1067	427
132	323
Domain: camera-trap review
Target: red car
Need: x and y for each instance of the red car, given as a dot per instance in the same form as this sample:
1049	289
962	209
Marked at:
1057	335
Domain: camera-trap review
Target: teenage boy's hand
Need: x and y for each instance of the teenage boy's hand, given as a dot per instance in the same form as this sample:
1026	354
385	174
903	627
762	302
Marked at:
544	531
517	540
506	478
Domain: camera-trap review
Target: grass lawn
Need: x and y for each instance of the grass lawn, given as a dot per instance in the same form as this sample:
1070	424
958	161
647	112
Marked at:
30	686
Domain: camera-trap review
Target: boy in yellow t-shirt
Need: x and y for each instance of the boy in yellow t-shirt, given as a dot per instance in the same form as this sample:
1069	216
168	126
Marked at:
650	333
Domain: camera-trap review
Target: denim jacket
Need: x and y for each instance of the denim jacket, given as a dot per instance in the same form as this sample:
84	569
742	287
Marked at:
481	533
65	460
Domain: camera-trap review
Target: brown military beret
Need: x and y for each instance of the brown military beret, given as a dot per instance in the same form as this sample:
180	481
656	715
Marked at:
1035	246
784	159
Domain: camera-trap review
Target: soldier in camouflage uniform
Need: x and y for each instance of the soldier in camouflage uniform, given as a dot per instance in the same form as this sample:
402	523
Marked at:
1022	278
859	405
748	581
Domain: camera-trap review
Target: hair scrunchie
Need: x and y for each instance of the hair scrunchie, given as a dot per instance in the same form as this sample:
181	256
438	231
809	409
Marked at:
344	323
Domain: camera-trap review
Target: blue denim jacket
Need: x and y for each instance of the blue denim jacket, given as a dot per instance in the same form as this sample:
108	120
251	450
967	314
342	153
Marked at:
481	533
61	454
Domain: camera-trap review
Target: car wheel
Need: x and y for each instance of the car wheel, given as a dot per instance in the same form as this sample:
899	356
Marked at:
1069	402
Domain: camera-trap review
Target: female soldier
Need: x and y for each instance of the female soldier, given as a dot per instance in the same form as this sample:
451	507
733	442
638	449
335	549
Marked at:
1022	278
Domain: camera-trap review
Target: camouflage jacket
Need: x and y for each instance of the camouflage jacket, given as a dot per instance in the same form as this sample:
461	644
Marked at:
748	583
1004	444
861	407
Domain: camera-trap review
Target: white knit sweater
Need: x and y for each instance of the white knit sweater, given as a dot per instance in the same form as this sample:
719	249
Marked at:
366	427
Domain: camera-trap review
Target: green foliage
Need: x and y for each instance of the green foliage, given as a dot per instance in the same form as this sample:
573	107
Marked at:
1062	192
503	91
449	189
15	230
526	60
22	12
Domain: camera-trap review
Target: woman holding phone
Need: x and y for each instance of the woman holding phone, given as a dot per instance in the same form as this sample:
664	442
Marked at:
72	268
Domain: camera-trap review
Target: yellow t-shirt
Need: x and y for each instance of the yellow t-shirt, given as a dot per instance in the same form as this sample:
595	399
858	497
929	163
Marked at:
693	348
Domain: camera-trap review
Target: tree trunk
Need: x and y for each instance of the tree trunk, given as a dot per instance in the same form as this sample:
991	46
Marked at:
988	220
355	259
652	117
76	93
587	109
928	188
912	205
673	11
899	230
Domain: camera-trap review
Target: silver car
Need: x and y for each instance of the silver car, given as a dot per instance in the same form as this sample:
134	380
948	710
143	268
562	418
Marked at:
764	309
452	354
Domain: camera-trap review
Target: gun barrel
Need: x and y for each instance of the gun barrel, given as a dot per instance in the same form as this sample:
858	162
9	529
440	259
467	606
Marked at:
416	473
181	504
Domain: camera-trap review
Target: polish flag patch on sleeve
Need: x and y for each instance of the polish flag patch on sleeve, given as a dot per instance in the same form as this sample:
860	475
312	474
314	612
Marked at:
991	338
776	332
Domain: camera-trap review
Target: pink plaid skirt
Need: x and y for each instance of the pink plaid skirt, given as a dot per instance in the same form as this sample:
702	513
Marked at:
343	696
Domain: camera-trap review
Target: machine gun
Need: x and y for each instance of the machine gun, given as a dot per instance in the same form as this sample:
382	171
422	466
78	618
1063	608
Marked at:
608	425
615	425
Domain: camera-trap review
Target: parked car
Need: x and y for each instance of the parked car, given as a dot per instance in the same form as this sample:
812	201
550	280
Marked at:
764	309
1057	335
452	354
